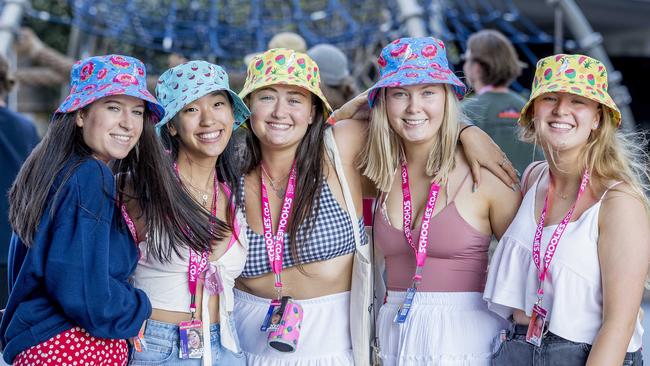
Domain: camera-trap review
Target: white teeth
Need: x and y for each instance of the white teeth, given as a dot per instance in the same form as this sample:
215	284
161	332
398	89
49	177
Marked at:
279	126
414	122
210	135
562	126
121	138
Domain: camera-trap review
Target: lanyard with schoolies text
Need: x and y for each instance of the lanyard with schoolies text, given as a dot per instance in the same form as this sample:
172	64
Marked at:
423	242
198	264
555	238
275	243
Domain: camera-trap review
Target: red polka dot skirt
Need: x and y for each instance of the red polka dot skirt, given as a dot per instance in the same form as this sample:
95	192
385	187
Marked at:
75	347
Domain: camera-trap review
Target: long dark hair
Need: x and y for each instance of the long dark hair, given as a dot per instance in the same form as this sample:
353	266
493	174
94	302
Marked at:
309	170
225	167
172	216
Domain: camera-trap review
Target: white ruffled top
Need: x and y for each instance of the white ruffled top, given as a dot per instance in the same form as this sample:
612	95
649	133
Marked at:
166	284
572	290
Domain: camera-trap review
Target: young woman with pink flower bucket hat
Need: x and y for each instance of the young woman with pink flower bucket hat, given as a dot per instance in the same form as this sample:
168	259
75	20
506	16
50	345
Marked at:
576	255
432	231
71	253
191	292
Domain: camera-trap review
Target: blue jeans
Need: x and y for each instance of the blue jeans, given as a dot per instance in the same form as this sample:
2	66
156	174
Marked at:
554	351
162	348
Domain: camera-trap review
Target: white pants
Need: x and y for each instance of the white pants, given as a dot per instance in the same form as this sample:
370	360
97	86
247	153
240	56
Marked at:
324	333
442	328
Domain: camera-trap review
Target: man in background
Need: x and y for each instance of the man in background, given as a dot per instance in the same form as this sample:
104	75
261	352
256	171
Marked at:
18	136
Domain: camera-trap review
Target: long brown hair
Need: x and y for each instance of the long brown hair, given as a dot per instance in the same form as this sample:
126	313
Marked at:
310	168
171	214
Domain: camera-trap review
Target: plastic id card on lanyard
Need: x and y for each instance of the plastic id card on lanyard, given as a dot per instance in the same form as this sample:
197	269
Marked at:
191	332
275	243
537	322
423	242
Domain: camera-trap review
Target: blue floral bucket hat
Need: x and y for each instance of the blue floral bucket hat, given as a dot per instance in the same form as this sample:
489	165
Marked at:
183	84
414	61
99	76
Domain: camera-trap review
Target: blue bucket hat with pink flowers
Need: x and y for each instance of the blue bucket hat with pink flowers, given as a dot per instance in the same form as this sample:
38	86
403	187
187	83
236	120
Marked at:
183	84
99	76
414	61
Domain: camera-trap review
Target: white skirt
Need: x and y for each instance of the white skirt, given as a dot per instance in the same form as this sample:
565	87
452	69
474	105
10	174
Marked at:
324	333
442	328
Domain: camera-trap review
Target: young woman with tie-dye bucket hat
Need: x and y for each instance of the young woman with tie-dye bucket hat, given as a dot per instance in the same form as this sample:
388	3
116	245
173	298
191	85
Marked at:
433	230
201	114
576	255
71	253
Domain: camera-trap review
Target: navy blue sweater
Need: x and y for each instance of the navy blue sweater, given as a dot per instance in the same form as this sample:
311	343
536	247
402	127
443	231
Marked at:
76	272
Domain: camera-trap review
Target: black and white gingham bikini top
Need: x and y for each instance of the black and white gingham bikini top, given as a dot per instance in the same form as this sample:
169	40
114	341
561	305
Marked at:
332	236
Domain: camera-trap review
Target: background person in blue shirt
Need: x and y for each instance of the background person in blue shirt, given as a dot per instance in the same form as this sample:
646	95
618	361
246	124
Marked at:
18	137
71	254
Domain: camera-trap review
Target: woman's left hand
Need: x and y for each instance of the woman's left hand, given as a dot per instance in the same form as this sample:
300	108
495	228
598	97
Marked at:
481	150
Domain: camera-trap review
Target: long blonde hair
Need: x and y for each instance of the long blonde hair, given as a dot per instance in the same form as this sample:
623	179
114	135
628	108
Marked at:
610	154
384	151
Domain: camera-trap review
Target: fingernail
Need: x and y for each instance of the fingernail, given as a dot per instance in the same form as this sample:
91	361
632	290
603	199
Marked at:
518	174
331	120
514	187
474	187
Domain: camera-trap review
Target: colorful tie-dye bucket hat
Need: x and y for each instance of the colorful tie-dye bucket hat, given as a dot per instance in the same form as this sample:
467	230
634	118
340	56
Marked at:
575	74
99	76
414	61
183	84
284	66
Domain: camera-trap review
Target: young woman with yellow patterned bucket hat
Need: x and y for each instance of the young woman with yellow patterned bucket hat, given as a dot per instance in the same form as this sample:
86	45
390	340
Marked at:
303	228
576	255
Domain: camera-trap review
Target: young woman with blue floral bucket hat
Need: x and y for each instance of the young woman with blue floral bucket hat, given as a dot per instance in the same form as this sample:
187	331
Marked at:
191	292
71	254
576	256
432	231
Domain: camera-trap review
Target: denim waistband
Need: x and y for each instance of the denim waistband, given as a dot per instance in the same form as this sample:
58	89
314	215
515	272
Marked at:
169	331
549	337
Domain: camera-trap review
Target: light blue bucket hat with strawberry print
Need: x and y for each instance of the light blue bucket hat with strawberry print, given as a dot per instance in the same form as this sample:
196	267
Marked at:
185	83
415	61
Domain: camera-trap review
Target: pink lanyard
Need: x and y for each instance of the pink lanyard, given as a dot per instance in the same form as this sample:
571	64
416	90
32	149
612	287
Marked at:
555	238
275	244
198	264
421	250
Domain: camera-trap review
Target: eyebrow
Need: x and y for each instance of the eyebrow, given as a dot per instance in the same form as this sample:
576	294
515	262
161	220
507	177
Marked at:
120	103
291	92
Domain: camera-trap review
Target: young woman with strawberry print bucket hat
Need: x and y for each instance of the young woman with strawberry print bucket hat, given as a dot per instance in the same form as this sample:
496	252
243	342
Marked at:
576	255
71	254
191	292
433	230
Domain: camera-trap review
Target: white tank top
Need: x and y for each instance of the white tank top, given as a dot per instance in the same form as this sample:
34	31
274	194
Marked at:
166	284
573	293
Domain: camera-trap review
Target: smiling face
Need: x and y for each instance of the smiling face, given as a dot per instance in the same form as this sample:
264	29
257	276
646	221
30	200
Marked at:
111	126
281	114
564	121
204	126
415	112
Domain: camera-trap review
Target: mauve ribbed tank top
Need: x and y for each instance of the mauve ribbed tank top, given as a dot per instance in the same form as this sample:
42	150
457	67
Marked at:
457	254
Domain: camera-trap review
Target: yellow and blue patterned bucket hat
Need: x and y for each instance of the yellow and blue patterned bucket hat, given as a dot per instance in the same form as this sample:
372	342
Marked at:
285	67
575	74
